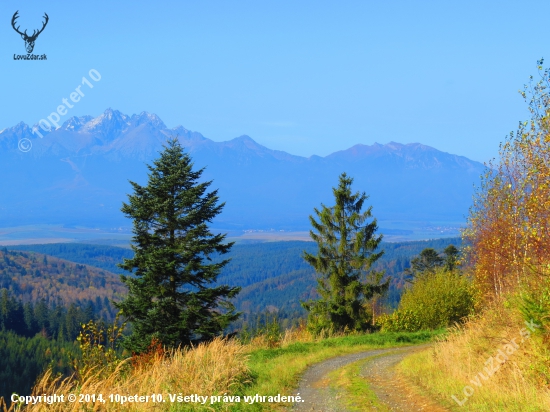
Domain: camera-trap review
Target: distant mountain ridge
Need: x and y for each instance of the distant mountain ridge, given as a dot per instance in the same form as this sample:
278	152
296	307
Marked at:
79	173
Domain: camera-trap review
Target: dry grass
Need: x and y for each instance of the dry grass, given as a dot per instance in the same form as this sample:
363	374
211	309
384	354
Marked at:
521	382
289	336
217	367
268	365
4	406
296	334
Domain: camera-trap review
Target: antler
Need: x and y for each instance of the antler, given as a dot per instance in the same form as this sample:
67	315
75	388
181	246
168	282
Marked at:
15	16
43	26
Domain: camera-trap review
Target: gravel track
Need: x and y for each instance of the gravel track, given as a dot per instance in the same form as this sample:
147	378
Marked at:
389	387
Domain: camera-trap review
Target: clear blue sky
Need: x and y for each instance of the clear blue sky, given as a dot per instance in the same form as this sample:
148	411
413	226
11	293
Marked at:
307	77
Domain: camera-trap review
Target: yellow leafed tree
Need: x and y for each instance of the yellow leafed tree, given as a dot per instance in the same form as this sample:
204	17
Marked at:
509	228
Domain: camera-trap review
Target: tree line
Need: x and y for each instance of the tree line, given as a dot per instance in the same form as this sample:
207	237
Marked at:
56	322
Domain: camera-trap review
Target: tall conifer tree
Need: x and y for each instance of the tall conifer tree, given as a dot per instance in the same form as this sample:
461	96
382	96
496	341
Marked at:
347	245
171	292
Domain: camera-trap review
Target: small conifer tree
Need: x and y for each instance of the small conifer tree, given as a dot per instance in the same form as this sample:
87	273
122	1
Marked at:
347	249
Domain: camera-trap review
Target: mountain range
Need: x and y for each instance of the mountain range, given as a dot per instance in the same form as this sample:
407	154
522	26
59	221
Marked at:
78	174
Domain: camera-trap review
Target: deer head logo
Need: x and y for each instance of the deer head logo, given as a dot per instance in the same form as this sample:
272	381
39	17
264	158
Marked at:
29	40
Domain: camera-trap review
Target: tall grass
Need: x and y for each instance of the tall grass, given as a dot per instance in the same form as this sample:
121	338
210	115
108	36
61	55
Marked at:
211	368
519	384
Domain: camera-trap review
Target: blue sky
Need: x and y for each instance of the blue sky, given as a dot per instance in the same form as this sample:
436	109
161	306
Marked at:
307	77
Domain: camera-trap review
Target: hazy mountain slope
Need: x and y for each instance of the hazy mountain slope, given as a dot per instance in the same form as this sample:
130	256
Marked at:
78	174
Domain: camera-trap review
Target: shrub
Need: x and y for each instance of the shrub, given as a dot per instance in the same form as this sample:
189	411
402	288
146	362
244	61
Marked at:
435	300
400	320
99	346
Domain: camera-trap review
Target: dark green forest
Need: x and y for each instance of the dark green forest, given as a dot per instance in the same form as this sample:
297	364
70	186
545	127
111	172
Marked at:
35	335
273	275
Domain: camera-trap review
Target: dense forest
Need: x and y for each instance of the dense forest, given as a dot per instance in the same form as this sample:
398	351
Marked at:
275	278
44	301
245	268
35	335
273	275
23	359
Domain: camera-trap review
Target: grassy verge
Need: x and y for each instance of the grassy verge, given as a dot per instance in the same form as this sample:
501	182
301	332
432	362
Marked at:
277	371
461	366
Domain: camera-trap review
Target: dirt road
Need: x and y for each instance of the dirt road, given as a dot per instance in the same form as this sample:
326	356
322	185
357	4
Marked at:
392	391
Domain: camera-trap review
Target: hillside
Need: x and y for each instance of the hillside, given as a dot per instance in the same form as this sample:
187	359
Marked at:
273	275
44	281
78	175
100	256
280	279
35	277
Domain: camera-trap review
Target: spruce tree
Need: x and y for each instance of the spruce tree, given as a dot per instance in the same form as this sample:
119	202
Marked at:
452	255
346	251
426	262
172	295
